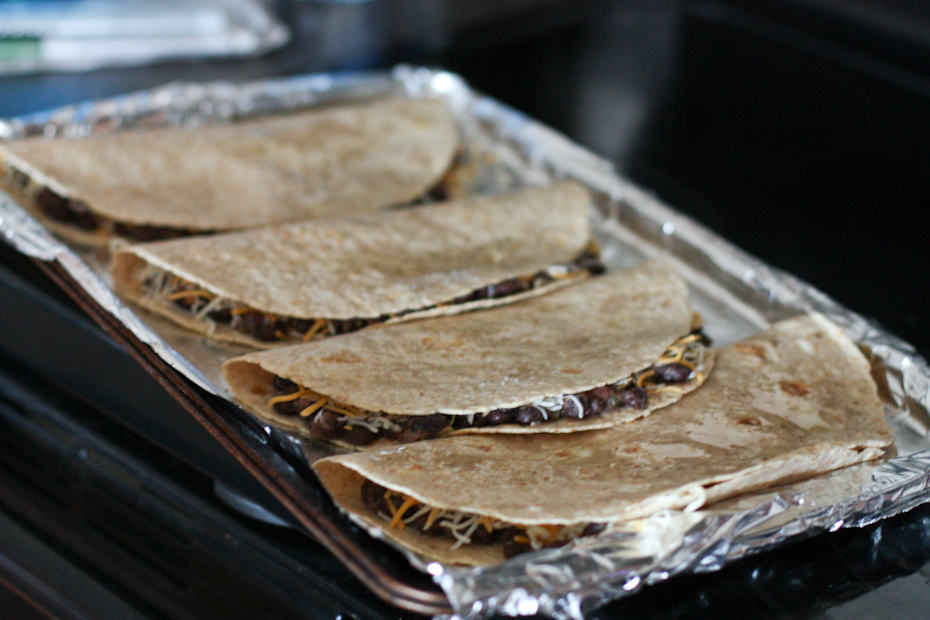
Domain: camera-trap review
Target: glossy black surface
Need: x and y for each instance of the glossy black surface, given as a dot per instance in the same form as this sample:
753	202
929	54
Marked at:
796	129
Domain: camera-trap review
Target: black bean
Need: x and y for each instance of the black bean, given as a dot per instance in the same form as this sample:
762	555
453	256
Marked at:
603	392
527	415
512	548
257	325
294	407
424	427
571	408
185	302
142	232
373	496
357	435
593	405
326	425
439	192
460	421
434	423
345	326
499	416
507	287
282	385
634	397
592	529
53	205
482	536
82	217
286	408
477	419
472	296
223	315
672	373
301	326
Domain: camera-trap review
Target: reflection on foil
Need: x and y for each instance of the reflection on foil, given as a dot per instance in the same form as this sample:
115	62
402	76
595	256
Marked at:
736	294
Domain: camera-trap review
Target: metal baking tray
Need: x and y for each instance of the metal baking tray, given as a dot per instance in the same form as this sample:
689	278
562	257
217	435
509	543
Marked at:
736	294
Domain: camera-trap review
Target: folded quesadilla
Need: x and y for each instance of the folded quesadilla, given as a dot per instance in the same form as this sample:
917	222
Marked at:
147	184
305	281
794	401
604	351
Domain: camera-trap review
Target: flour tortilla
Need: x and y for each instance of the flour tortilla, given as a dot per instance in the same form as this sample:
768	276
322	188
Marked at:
791	402
317	163
371	264
580	337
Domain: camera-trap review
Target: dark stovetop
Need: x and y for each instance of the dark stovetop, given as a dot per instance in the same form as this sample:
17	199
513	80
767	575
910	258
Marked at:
800	135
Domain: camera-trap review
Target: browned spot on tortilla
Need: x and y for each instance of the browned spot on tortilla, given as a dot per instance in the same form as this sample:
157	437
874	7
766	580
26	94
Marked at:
257	390
750	421
750	349
795	388
572	371
343	357
632	449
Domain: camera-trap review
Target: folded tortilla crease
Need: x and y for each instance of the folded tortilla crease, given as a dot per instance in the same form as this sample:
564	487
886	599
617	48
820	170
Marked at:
595	333
323	162
794	401
410	261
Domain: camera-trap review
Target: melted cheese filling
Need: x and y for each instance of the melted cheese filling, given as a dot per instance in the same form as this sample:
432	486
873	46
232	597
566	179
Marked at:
461	526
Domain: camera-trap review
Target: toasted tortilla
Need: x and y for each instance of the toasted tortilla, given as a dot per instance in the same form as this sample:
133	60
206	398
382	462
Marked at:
372	264
317	163
794	401
595	333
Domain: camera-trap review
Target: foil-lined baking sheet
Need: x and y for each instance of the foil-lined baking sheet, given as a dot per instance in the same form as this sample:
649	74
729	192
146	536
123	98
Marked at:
736	294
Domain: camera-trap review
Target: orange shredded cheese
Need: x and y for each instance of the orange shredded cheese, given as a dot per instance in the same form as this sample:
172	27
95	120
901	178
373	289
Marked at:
346	409
431	517
199	292
318	324
238	311
308	411
689	339
284	398
397	518
641	379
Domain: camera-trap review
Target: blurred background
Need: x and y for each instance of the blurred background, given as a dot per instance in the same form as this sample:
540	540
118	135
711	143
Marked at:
797	129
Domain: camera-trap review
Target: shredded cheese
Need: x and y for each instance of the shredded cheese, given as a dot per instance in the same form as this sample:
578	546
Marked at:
308	411
397	520
318	325
199	292
646	374
284	398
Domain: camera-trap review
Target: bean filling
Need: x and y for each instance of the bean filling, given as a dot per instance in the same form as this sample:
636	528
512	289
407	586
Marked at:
324	419
462	528
269	327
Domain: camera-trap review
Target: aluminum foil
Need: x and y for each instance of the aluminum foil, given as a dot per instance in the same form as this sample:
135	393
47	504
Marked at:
737	295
